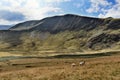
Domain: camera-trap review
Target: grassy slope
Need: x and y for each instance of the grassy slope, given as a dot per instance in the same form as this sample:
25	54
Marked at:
63	42
68	41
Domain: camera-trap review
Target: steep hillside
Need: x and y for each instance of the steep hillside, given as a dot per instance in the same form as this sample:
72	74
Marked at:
61	23
25	25
63	33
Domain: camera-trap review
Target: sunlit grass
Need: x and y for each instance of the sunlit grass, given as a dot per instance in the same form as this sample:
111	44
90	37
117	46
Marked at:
104	68
5	54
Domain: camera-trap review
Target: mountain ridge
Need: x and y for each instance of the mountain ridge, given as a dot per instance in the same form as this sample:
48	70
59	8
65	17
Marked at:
53	17
66	32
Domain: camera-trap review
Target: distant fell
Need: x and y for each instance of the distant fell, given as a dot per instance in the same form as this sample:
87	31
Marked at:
68	22
63	33
5	27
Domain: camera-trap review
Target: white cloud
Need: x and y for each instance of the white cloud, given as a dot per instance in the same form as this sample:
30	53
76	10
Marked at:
2	21
112	12
97	4
57	0
118	1
31	9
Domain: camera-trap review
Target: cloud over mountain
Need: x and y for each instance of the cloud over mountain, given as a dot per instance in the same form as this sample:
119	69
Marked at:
23	10
11	16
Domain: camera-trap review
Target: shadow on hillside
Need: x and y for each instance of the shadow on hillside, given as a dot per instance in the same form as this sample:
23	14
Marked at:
64	56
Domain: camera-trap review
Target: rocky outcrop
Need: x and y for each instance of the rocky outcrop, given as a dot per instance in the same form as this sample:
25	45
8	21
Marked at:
103	41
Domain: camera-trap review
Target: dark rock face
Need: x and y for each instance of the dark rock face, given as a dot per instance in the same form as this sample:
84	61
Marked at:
114	24
57	24
106	39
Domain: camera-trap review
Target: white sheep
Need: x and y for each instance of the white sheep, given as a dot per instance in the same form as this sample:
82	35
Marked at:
82	63
73	64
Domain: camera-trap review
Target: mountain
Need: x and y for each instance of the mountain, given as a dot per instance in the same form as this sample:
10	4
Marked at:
60	23
63	33
5	27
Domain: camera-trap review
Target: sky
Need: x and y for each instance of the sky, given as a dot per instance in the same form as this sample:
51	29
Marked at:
16	11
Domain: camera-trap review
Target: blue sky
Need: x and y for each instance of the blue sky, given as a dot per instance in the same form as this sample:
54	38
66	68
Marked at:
15	11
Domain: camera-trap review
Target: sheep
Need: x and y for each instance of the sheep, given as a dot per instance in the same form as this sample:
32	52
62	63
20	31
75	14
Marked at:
73	64
82	63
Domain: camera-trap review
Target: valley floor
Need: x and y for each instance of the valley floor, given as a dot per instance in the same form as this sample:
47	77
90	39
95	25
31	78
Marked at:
100	68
